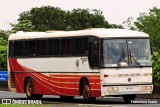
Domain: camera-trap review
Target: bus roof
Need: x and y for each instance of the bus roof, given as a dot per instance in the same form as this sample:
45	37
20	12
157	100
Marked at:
98	32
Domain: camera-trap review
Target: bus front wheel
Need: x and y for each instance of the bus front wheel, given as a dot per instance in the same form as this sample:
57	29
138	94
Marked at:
129	98
29	91
87	93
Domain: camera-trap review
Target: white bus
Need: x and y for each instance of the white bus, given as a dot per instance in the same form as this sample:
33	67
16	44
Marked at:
93	63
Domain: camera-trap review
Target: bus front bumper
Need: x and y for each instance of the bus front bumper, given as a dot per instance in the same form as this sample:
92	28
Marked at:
124	90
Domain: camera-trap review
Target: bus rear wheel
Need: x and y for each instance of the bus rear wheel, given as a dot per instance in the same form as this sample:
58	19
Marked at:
86	92
29	91
129	98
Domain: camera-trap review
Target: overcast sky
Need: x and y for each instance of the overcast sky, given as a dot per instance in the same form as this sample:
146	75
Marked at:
115	11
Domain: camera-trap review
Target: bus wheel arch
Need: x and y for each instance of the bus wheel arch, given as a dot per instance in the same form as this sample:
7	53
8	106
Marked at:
29	89
82	81
85	90
25	81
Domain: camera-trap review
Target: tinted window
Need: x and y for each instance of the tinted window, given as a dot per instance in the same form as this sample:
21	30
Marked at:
94	53
42	47
30	48
81	46
11	45
18	48
67	46
54	47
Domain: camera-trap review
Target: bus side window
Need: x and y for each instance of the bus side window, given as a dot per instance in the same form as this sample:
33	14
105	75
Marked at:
54	47
81	46
30	48
42	47
67	46
18	48
94	54
11	46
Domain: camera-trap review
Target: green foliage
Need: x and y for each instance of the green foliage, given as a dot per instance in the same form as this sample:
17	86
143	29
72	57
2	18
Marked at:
3	58
115	26
3	37
3	49
129	24
79	19
150	23
51	18
156	67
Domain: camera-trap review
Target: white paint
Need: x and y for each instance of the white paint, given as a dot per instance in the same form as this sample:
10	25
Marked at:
99	32
55	64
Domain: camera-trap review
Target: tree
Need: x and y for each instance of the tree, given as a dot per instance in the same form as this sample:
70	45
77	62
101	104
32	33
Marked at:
79	19
51	18
115	26
4	37
150	23
156	67
3	49
3	58
40	19
129	24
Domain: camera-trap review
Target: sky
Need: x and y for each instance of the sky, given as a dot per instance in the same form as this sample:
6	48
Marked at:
115	11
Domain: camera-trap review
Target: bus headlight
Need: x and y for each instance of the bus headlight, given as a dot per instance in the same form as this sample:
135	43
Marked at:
146	87
110	89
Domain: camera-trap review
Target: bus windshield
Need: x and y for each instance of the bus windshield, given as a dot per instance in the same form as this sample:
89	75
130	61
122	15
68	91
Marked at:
125	52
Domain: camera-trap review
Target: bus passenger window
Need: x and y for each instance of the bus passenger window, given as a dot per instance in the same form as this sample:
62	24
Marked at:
93	54
54	47
81	46
42	47
30	48
67	46
11	46
18	48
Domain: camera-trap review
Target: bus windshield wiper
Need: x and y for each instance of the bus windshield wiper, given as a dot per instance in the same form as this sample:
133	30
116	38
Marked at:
134	59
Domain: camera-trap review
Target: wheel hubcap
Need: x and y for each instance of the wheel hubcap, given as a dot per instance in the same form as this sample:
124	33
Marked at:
29	89
86	92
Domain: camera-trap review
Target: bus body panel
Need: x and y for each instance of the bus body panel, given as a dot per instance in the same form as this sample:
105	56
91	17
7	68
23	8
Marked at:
52	80
128	81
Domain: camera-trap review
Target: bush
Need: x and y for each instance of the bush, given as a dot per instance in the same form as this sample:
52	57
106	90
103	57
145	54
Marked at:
3	58
156	67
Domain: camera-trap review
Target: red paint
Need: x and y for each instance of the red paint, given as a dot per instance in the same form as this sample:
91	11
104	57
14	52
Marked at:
55	84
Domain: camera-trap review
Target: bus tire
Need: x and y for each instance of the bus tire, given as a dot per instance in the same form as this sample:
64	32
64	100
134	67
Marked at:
29	91
86	92
129	98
